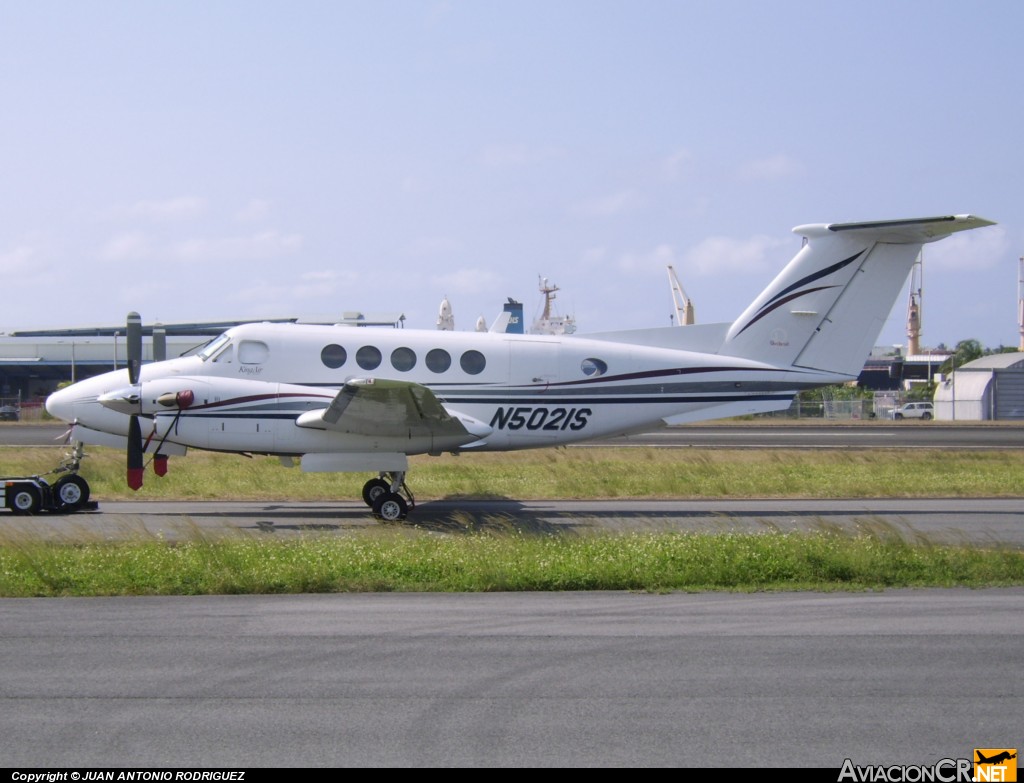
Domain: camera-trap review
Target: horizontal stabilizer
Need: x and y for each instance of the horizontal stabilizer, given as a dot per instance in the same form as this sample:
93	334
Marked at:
914	230
825	310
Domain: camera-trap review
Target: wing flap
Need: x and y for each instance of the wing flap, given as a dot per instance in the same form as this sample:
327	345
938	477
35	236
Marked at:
391	408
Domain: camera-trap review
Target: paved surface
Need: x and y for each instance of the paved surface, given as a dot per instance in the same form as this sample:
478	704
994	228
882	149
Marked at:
943	520
511	680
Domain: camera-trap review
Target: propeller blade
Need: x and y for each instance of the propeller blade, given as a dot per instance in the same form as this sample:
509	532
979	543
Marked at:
134	342
135	456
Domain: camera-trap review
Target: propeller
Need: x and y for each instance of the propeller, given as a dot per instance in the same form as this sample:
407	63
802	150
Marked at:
135	450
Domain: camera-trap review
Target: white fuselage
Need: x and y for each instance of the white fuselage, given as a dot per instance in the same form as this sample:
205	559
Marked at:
251	385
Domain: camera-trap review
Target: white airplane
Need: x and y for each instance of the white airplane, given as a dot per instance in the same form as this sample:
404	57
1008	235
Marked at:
340	398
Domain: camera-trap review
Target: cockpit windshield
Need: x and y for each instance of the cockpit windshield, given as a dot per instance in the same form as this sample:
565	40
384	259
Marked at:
214	347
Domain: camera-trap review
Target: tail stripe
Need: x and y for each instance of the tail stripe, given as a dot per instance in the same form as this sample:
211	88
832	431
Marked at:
765	308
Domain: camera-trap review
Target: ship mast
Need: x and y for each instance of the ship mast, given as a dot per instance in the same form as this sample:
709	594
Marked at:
549	296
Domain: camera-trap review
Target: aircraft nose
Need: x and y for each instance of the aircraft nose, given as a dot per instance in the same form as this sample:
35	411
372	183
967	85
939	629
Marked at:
78	402
60	405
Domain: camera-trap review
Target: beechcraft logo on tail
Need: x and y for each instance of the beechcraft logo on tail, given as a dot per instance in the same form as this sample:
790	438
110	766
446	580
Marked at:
995	764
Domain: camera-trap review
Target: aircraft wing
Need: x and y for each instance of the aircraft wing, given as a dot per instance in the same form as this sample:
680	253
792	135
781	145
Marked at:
392	408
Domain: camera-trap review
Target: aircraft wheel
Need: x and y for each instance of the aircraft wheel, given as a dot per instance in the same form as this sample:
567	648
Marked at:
373	489
25	500
72	492
390	507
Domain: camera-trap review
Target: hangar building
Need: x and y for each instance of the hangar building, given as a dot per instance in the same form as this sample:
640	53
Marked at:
988	388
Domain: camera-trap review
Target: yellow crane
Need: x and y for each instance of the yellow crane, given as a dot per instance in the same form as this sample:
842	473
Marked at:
683	315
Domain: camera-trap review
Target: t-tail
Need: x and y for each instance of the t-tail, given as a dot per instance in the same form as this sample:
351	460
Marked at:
825	310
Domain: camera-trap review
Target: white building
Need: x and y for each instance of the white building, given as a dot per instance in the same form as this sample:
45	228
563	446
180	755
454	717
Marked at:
988	388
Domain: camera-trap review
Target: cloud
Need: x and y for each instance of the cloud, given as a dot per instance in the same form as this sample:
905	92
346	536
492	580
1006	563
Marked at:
516	155
593	256
716	256
469	281
317	289
660	256
969	250
325	275
433	247
128	246
776	167
19	260
165	210
412	185
264	245
256	209
610	205
675	164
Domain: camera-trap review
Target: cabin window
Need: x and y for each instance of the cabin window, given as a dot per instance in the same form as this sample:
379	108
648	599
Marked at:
368	357
333	356
403	359
438	360
473	362
593	367
213	347
252	352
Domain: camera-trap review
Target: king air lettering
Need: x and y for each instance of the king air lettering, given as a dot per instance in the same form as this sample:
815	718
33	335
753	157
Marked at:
550	419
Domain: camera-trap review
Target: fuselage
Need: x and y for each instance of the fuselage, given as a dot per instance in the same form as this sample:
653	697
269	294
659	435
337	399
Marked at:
250	385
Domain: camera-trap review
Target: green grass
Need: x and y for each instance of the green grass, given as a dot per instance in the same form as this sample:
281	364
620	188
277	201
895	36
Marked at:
566	473
392	560
501	556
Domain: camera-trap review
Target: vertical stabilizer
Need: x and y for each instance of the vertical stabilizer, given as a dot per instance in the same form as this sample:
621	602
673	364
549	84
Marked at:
826	309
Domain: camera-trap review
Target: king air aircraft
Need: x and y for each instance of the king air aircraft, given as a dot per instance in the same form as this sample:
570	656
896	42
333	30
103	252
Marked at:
338	398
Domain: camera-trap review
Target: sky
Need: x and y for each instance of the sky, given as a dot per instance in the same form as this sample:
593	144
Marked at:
222	160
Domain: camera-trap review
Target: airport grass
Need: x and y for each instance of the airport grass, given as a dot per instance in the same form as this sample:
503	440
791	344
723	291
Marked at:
404	560
570	473
503	555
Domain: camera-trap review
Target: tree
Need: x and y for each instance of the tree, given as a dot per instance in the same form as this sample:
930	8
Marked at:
965	351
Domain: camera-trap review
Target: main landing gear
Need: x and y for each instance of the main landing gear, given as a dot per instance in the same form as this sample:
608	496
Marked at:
388	496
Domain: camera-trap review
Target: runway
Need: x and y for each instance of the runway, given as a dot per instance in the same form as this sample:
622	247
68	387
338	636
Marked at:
986	521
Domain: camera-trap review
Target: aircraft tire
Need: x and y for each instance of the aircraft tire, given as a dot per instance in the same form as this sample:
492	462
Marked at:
390	507
373	489
71	492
